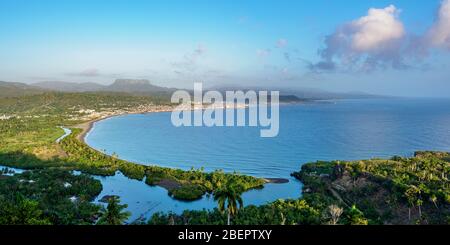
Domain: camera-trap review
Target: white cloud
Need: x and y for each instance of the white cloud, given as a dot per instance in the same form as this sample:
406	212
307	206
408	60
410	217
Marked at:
371	41
376	30
439	34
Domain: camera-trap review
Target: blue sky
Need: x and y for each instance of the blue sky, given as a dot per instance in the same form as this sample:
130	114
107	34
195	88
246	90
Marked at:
400	48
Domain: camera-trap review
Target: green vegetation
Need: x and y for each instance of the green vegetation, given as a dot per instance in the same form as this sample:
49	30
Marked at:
400	190
114	214
187	192
229	196
281	212
396	191
29	125
48	196
8	89
29	137
183	185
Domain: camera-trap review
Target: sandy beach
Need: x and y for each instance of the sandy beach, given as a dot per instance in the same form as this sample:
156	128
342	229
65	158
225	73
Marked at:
87	126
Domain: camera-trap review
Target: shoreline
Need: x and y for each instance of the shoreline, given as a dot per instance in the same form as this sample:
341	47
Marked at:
86	127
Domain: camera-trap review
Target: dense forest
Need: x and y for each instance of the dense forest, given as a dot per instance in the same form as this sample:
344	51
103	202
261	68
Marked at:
400	190
48	196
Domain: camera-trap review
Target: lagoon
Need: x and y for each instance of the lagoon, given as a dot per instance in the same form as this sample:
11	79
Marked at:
325	130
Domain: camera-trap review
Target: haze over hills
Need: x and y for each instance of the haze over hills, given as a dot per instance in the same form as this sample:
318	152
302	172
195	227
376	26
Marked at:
8	89
135	86
303	93
131	86
144	87
68	86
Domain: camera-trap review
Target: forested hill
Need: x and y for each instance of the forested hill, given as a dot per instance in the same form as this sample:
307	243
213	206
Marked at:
8	89
146	88
131	86
128	86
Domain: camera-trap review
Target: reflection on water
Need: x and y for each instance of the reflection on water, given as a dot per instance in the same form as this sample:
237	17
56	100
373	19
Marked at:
8	171
144	200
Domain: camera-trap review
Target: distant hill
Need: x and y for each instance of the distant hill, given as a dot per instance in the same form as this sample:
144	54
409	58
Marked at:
69	87
289	99
10	89
144	87
303	93
135	86
132	86
308	93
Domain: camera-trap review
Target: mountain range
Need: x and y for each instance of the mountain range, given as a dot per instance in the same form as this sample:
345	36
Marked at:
8	89
144	87
120	85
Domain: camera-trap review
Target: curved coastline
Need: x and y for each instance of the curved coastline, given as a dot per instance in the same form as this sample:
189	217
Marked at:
86	127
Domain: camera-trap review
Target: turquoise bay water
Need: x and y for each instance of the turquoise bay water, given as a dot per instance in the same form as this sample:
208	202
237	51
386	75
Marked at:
344	130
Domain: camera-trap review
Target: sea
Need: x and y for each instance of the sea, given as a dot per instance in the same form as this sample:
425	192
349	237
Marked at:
308	132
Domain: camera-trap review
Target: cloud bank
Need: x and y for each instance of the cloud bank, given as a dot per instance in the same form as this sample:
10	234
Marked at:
379	40
439	34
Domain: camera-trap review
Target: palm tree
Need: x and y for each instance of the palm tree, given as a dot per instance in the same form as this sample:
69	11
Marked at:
231	197
278	206
113	215
433	199
356	217
419	203
411	196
